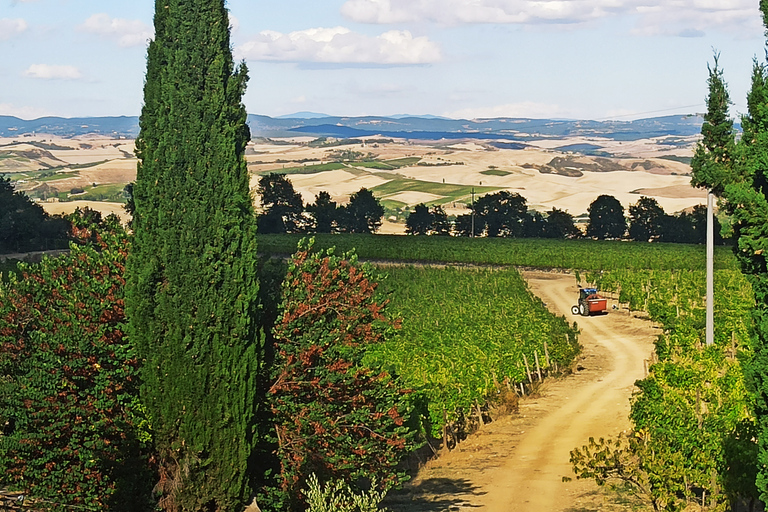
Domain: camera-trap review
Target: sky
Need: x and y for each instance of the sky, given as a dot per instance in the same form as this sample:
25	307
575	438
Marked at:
467	59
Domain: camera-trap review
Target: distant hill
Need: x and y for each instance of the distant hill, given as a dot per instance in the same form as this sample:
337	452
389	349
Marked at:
126	126
408	127
303	115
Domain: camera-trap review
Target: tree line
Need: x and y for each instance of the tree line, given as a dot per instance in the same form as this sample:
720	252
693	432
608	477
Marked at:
25	226
501	214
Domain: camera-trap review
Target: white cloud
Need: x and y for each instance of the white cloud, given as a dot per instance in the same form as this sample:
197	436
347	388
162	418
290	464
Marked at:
28	113
125	32
671	17
525	109
339	45
10	28
234	23
47	72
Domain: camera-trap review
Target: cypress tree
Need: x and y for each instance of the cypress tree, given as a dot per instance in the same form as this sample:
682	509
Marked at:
191	275
747	198
713	160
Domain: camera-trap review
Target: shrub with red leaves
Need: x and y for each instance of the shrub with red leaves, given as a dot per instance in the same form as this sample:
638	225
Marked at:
333	416
71	423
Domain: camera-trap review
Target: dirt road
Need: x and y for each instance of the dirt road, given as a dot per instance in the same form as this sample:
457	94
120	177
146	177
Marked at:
517	463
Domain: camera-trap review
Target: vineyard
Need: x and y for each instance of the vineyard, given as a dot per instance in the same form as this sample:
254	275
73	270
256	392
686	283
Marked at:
693	439
522	252
467	336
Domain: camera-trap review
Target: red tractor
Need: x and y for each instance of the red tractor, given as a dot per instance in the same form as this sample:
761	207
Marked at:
590	303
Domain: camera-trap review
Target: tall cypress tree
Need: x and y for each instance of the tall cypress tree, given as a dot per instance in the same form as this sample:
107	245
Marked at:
738	173
191	282
713	160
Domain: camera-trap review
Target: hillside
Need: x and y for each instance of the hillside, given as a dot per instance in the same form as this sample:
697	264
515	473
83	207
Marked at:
407	127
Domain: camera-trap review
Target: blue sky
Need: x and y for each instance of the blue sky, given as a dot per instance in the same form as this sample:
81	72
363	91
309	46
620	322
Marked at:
588	59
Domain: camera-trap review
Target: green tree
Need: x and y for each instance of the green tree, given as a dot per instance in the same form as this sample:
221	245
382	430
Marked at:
191	275
363	213
560	225
502	214
712	163
464	223
746	200
25	226
441	226
333	416
325	213
419	221
72	430
606	218
647	220
283	206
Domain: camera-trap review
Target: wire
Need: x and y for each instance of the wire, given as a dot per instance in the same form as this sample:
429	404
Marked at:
651	112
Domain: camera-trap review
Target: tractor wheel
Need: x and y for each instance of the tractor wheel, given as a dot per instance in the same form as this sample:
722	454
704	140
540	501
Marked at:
583	310
575	310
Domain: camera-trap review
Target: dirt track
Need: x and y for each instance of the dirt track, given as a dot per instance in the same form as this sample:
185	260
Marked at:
517	463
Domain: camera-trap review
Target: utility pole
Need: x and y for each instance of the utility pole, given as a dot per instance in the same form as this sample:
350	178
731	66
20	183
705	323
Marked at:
710	324
472	234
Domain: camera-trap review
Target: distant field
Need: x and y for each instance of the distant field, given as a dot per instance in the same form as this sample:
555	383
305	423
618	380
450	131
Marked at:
306	169
495	172
524	252
449	191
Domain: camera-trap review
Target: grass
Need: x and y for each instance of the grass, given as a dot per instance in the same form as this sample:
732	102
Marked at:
675	158
403	162
387	165
449	191
305	169
391	204
496	172
112	193
376	164
46	176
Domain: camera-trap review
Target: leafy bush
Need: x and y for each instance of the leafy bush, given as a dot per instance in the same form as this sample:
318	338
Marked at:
333	416
337	496
73	432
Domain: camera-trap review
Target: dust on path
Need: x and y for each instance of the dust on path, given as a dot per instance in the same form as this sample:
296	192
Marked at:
517	463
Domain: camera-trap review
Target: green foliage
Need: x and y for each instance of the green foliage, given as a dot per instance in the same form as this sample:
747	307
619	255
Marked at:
362	214
334	416
283	206
24	225
464	334
191	275
501	214
559	224
419	221
73	431
325	213
739	173
646	220
337	496
567	254
606	218
713	160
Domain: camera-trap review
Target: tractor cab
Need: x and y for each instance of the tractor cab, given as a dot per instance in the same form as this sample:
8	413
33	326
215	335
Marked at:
585	293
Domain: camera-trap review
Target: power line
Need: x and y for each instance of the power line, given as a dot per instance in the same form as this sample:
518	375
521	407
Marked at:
652	112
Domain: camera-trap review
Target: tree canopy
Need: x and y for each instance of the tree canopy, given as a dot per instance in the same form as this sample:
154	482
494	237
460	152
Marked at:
362	214
191	275
606	218
283	206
